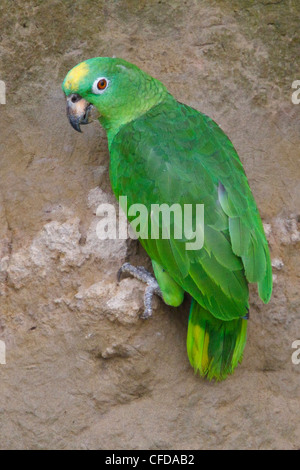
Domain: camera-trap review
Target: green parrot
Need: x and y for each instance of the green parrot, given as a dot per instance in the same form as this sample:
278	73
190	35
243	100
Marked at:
165	152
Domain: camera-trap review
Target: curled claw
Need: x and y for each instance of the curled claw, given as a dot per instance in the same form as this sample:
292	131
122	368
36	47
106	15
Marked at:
143	275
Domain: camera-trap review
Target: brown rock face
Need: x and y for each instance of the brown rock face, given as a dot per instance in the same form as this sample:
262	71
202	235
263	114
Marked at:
82	370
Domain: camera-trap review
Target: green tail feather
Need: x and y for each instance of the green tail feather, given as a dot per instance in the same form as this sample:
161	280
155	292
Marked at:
214	347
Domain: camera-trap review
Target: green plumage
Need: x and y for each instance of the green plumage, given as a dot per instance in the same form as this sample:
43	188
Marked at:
214	347
171	153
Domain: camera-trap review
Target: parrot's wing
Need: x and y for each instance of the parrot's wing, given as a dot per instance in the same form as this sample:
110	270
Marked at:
175	155
245	227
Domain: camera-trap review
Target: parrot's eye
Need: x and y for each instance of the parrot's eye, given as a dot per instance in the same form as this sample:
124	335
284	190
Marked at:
102	84
99	85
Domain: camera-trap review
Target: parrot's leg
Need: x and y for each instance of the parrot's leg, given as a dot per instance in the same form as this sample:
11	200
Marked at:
152	288
172	293
162	285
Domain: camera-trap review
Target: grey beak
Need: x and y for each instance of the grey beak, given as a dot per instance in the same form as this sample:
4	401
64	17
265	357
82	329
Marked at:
78	111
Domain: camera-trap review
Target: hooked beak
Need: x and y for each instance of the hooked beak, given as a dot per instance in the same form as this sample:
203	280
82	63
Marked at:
78	111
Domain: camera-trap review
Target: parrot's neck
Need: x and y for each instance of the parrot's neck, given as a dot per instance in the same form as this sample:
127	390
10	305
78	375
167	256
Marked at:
113	125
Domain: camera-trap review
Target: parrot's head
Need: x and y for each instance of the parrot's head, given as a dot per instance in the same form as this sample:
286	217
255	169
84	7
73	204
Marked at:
119	90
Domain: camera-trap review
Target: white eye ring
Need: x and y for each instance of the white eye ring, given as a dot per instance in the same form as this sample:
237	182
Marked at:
96	85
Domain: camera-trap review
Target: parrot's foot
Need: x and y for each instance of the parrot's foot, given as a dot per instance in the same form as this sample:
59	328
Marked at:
152	288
